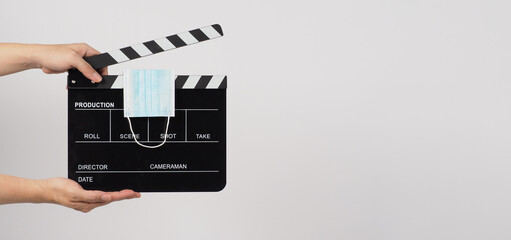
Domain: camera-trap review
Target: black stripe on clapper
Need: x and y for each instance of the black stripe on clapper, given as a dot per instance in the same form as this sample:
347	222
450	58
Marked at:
176	41
101	60
130	53
223	85
203	82
218	29
108	81
199	35
180	81
153	47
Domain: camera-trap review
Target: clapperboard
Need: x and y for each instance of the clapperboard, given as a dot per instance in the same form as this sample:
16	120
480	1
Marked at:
102	153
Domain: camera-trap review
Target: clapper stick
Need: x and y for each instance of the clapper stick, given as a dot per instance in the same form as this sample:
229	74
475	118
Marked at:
155	46
77	80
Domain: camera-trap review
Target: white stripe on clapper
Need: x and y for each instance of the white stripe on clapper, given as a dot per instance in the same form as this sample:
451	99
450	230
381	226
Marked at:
210	32
188	38
141	49
118	82
215	81
191	82
118	56
165	44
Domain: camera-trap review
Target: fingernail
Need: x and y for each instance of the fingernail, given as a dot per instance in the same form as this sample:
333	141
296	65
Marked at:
96	77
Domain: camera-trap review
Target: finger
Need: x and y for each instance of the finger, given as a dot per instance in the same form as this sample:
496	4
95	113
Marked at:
103	71
113	196
88	50
93	196
124	194
87	69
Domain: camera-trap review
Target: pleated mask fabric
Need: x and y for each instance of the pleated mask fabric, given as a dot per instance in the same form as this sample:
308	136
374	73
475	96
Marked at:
148	93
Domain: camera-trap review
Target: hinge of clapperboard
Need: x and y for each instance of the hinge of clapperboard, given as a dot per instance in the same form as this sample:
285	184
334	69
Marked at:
76	80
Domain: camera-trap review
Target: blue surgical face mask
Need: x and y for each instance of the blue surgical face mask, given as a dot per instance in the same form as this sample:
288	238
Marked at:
148	93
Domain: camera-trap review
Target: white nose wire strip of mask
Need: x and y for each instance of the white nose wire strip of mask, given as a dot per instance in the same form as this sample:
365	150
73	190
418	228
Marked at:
157	146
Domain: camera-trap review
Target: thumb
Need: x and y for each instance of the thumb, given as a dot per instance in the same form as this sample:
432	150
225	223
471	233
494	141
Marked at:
87	69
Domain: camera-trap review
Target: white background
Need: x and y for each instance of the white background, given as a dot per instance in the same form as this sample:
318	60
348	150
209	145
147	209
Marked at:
346	119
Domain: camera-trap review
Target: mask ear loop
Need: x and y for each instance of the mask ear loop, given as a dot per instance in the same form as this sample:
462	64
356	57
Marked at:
157	146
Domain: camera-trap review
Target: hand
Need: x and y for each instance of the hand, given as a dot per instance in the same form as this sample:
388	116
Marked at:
16	57
68	193
62	57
